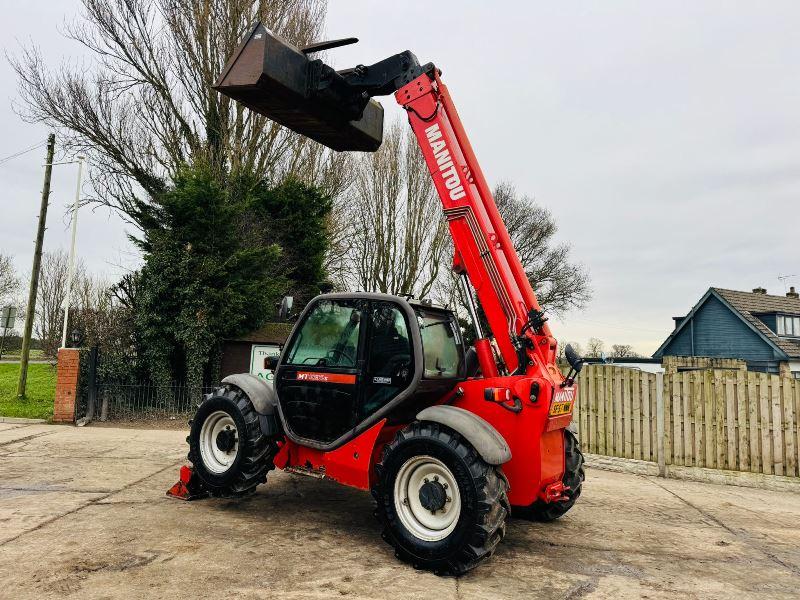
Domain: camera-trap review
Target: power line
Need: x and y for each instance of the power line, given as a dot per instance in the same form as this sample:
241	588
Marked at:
21	152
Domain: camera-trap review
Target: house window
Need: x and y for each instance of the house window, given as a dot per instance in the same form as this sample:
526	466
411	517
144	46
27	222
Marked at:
788	326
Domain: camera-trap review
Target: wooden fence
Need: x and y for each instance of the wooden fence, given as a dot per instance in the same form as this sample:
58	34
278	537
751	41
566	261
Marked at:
717	419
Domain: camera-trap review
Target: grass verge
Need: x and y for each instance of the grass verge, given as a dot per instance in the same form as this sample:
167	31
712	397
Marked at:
41	388
15	354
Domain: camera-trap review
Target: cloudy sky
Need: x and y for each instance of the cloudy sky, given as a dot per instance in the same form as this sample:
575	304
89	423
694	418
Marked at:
664	136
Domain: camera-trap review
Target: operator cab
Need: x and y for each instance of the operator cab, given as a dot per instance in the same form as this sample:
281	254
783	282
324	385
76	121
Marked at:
354	359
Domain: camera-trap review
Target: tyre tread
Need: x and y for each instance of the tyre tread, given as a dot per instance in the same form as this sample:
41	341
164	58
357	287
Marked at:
492	509
258	461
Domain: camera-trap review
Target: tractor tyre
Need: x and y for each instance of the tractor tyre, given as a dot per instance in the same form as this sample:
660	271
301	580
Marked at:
227	448
442	507
546	512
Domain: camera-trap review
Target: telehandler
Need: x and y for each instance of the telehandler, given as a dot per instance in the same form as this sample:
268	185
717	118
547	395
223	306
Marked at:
378	392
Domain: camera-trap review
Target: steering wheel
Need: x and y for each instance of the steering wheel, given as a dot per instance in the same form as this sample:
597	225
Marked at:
332	354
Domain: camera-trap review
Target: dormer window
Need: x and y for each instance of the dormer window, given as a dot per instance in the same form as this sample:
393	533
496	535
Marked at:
788	326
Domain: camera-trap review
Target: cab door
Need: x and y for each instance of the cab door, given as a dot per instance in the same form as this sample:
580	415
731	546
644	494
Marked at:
388	364
321	371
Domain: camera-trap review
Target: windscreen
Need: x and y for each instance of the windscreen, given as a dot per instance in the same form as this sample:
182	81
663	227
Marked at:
329	336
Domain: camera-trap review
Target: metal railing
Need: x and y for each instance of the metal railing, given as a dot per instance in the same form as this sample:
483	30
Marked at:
146	401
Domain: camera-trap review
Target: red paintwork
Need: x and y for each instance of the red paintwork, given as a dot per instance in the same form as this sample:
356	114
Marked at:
483	348
326	377
188	486
484	251
350	464
555	492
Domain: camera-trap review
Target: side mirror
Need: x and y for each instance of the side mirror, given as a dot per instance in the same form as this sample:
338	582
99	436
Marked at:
271	362
575	361
286	307
575	364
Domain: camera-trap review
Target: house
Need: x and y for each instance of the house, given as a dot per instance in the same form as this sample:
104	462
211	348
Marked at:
759	328
246	354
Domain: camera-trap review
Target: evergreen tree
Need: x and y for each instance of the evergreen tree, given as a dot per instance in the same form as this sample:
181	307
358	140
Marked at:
217	259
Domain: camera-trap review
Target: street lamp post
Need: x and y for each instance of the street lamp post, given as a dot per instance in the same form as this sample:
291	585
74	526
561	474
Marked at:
71	267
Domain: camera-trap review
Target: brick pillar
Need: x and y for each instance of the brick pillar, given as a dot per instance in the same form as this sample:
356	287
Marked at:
66	385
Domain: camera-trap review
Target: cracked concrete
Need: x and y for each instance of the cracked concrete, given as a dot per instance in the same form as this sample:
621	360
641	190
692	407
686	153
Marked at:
83	515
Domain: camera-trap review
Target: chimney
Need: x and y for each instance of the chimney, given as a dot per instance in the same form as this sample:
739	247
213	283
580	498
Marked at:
792	293
760	290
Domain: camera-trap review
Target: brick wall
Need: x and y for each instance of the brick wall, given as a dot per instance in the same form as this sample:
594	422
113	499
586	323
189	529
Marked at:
66	385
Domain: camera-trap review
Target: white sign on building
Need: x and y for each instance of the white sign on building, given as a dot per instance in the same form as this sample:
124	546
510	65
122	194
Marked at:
258	356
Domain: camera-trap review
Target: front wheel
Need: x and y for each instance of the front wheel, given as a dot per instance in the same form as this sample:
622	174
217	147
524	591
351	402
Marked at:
442	506
227	448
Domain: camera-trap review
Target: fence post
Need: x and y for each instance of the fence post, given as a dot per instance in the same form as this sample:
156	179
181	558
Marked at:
662	462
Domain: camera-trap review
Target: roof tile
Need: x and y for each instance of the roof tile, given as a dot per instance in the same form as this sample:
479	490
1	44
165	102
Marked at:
750	304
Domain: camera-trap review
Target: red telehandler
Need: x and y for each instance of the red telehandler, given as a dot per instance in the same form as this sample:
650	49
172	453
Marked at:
377	391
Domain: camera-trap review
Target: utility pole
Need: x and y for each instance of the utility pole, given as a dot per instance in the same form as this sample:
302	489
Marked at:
37	263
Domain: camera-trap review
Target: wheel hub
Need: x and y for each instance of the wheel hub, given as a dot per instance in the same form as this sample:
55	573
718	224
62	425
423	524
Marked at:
432	496
226	440
219	442
427	498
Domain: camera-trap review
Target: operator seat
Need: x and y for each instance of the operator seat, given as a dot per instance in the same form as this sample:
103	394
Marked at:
387	344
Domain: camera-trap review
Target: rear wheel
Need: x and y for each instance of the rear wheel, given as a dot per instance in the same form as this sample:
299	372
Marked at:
573	479
442	506
229	452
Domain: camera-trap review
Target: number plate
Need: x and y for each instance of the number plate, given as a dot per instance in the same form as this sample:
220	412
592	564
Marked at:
562	402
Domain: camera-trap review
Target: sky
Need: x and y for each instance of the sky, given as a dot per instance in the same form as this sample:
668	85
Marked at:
663	136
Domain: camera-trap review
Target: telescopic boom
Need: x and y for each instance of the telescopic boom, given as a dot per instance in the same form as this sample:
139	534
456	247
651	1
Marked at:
335	108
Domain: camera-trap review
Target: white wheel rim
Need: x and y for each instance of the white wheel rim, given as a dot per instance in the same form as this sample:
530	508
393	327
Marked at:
419	521
215	459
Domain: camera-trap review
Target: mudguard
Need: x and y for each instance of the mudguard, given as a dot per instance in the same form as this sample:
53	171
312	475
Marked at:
484	438
261	393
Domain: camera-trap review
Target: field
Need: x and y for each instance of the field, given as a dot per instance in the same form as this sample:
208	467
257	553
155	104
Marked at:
41	388
14	355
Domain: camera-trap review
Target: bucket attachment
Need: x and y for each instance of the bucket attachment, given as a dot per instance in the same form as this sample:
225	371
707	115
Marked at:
279	81
188	487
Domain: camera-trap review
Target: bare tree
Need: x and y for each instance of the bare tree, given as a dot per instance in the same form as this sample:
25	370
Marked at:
559	283
102	319
49	315
49	318
622	351
9	281
595	348
562	346
393	238
144	106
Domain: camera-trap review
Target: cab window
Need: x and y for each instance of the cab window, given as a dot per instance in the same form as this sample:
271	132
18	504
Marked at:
441	345
329	336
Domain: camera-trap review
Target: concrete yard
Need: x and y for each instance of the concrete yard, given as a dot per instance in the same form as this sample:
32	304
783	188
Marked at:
83	514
